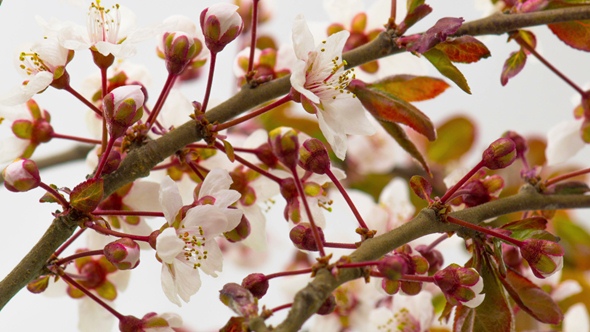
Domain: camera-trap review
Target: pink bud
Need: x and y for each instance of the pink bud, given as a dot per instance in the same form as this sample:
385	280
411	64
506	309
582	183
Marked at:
302	237
500	154
460	284
239	299
256	283
313	156
393	266
122	108
434	257
22	175
285	145
123	253
221	24
239	233
179	50
544	257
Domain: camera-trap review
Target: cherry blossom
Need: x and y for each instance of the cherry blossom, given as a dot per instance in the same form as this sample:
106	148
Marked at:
190	244
320	80
406	313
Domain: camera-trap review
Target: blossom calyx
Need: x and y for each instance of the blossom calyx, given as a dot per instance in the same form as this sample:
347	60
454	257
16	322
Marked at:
256	283
393	266
501	153
544	257
302	237
221	24
460	285
150	322
314	157
285	145
123	107
22	175
240	232
179	50
239	299
434	257
123	253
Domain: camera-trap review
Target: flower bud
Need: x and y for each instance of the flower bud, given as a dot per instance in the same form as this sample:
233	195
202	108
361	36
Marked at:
460	284
328	306
38	285
256	283
285	146
240	232
390	286
22	175
434	257
179	50
313	156
519	141
302	237
265	154
501	153
393	266
122	108
123	253
544	257
239	299
221	24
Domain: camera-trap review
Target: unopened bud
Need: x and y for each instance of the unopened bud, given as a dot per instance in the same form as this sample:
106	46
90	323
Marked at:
221	24
390	286
179	50
239	299
519	141
265	154
500	154
256	283
239	233
434	257
123	106
393	266
544	257
285	146
22	175
123	253
302	236
314	156
460	284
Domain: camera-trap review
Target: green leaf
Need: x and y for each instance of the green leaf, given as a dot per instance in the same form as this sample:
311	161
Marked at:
494	314
421	187
464	49
412	88
386	107
443	64
87	195
23	129
400	136
574	33
455	138
513	66
531	298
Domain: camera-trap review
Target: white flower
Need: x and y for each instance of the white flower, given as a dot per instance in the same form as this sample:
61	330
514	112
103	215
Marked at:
191	245
320	78
11	147
576	319
44	61
563	142
394	207
407	313
221	24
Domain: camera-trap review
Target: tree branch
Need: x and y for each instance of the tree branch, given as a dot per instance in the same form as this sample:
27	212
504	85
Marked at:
139	162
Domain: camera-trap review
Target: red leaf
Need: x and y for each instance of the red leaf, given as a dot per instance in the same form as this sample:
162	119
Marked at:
421	187
538	223
455	138
412	88
513	66
444	27
532	299
87	195
387	107
574	33
464	49
443	64
398	133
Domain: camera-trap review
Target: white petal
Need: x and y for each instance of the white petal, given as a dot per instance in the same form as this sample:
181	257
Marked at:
336	139
143	196
214	261
93	317
257	238
168	245
168	285
188	280
170	199
563	142
347	115
303	42
566	289
209	217
226	197
217	180
23	93
576	319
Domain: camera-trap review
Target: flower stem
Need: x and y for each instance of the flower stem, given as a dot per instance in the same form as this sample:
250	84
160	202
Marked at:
104	88
484	230
77	139
566	176
209	84
161	99
251	166
436	242
346	197
127	213
253	114
314	228
104	157
556	71
281	307
253	35
68	242
413	277
106	231
74	283
461	182
56	195
288	273
79	255
340	245
83	100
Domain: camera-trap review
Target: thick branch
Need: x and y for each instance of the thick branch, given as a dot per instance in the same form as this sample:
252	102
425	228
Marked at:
138	163
308	300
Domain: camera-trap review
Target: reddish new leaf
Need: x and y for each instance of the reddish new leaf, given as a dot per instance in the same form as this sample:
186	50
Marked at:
444	27
398	133
532	299
464	49
87	195
443	64
412	88
413	16
574	33
455	138
387	107
513	66
538	223
421	187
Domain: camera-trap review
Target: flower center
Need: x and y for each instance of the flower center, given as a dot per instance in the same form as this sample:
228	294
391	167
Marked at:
194	247
31	63
103	24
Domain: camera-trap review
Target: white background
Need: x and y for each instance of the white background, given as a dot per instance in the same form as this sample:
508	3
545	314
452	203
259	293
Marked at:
530	104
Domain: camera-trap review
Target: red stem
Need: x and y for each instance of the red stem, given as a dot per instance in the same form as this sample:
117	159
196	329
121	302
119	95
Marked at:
340	245
566	176
253	35
83	100
251	166
104	157
161	99
107	231
484	230
349	201
79	255
437	242
253	114
65	204
461	182
68	242
281	307
74	283
314	228
127	213
77	139
288	273
209	83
